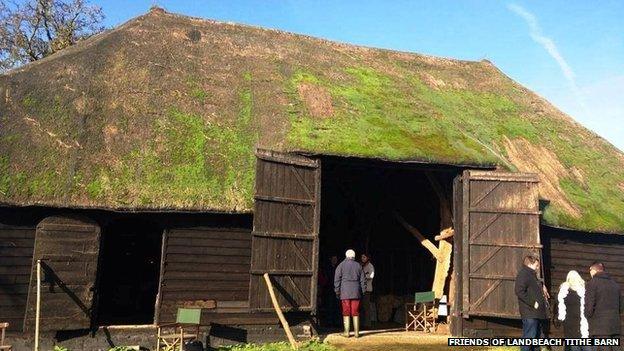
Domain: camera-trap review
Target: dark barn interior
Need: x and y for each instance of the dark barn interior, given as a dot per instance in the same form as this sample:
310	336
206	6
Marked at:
129	272
359	203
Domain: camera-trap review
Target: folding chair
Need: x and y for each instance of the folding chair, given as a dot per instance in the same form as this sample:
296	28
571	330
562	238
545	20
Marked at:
3	347
172	336
423	313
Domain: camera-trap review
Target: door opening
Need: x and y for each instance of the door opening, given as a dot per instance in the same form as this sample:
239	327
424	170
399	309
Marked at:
129	275
360	204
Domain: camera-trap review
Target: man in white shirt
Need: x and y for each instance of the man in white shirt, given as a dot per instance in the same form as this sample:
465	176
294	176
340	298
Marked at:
369	272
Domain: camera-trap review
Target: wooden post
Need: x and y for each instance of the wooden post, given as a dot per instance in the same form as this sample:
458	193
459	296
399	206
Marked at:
38	305
442	253
278	310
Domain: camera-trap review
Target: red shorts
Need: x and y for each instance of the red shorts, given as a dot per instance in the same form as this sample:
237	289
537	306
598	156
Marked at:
350	307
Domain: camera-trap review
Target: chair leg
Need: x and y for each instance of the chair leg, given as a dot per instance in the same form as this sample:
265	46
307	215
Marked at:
181	339
158	340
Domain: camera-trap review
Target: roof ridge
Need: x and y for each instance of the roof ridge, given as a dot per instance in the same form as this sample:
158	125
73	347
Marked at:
81	45
161	11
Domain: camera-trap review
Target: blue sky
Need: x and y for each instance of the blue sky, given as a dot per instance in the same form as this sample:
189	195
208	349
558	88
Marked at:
570	52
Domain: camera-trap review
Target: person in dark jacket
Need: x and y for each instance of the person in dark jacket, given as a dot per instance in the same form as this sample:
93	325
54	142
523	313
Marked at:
571	310
331	301
531	300
349	285
602	304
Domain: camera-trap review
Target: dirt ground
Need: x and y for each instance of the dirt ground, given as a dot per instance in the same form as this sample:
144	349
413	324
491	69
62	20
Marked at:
393	341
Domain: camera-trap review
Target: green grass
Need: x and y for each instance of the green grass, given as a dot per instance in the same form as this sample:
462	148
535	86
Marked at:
117	348
280	346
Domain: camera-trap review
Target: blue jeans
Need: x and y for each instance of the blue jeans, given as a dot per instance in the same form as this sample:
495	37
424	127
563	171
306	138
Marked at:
531	329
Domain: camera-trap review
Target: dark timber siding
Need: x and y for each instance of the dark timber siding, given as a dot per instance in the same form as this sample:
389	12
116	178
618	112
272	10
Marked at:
500	219
566	250
68	247
204	263
285	234
16	251
563	250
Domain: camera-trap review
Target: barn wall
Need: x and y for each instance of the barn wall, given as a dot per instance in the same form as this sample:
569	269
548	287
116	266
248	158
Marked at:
209	260
68	247
563	250
566	250
207	263
16	251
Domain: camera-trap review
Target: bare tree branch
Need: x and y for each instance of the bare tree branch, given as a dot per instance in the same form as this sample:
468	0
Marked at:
33	29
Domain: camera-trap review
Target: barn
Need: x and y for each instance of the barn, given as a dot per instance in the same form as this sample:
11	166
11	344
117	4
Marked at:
172	161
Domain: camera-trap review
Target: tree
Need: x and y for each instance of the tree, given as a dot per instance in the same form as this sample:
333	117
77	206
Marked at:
33	29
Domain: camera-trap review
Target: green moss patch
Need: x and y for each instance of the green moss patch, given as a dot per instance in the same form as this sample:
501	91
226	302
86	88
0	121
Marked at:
378	115
400	117
192	160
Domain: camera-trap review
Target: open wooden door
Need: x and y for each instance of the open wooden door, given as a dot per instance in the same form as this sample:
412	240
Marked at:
285	231
69	249
499	219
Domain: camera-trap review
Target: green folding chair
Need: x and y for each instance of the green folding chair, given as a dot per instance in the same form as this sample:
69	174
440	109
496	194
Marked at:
423	313
172	336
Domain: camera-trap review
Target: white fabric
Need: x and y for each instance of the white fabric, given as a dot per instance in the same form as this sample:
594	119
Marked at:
350	253
369	272
563	293
442	306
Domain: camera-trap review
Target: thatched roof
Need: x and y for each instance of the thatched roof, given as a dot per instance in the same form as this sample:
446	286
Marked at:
165	111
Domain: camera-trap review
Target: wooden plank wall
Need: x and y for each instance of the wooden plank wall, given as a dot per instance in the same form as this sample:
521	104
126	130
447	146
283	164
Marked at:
561	253
206	263
68	247
500	227
16	252
285	236
566	250
456	319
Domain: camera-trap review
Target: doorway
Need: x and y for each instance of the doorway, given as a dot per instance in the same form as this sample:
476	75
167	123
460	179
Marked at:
360	202
130	270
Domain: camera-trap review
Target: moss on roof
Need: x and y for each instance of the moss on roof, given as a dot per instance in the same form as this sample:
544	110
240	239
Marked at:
165	111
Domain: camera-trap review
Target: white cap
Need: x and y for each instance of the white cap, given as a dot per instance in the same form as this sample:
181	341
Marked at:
350	253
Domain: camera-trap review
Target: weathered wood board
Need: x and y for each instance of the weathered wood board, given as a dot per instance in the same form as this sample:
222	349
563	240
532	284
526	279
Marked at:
285	231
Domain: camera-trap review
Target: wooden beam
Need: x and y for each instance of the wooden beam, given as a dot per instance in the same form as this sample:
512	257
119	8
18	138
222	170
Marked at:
418	235
278	310
445	234
442	268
